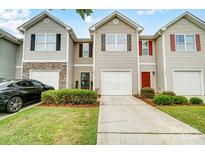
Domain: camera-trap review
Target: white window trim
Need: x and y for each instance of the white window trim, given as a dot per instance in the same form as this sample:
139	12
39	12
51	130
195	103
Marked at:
147	47
45	40
90	73
88	51
116	49
185	43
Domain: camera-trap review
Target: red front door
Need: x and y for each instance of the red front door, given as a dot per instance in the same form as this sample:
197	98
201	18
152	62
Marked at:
145	76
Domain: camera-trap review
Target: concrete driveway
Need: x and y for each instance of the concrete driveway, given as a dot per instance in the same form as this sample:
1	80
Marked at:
127	120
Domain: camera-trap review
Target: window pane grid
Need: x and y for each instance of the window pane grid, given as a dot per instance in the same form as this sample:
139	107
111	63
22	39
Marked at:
116	42
185	43
85	50
145	48
46	42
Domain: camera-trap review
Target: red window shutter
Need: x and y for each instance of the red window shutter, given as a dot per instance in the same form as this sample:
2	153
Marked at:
140	47
150	47
198	44
172	42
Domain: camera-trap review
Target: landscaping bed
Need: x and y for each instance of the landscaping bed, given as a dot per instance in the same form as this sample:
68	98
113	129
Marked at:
51	125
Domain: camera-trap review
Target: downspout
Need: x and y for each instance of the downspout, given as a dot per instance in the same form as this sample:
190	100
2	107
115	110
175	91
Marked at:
138	63
164	61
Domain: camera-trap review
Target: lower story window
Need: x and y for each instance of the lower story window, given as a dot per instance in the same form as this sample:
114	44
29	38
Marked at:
85	80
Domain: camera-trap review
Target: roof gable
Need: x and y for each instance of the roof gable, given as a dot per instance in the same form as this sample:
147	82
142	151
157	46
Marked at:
187	15
120	16
40	17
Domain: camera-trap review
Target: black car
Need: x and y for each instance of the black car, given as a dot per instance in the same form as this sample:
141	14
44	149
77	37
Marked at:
16	93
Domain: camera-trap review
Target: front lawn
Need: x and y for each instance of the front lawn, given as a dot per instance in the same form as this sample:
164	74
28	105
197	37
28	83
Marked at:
51	125
192	115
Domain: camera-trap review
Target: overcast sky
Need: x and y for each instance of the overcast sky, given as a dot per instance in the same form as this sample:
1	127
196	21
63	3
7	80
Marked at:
151	20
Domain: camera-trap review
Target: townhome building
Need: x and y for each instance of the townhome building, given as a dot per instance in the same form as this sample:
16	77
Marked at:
117	59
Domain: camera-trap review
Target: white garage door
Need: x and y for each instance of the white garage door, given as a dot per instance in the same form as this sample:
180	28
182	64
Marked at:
187	83
116	83
50	78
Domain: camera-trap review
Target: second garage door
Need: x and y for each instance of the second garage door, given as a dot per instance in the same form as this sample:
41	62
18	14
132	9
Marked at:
116	83
187	82
50	78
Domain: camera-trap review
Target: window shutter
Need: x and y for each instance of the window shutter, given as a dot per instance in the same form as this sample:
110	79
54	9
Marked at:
150	47
172	42
80	50
33	39
90	50
103	39
198	44
140	48
129	42
58	42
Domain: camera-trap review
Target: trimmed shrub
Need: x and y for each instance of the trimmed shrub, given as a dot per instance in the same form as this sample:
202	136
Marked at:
69	96
163	99
195	100
147	92
180	100
171	93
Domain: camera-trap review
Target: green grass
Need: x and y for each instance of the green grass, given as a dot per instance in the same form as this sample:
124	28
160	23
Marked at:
51	125
192	115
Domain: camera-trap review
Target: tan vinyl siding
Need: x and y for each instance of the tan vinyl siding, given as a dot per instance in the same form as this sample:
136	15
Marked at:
116	60
78	70
42	28
149	59
183	60
81	60
7	59
159	64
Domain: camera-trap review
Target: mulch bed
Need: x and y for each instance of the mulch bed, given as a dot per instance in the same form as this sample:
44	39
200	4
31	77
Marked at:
146	100
71	105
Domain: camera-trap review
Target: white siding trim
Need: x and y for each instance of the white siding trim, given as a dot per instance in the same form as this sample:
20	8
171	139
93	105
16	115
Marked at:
85	65
138	65
154	64
18	66
164	62
67	59
94	61
23	53
197	70
45	61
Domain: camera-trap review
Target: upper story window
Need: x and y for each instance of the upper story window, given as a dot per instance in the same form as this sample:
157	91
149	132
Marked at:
116	42
85	50
145	48
185	43
45	42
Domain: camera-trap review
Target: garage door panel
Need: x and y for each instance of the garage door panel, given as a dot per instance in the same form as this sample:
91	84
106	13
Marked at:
116	83
187	83
47	77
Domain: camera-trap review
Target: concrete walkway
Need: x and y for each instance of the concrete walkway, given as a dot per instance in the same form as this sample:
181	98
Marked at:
127	120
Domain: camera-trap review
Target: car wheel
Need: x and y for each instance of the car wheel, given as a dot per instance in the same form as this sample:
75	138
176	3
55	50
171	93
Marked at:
14	104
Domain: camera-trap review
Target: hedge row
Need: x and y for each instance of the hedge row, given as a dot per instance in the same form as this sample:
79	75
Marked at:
69	96
169	99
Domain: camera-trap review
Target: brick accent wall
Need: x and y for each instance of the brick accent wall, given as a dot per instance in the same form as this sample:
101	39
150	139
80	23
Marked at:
61	66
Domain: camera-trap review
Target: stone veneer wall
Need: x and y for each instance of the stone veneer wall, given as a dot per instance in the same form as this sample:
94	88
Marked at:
61	66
